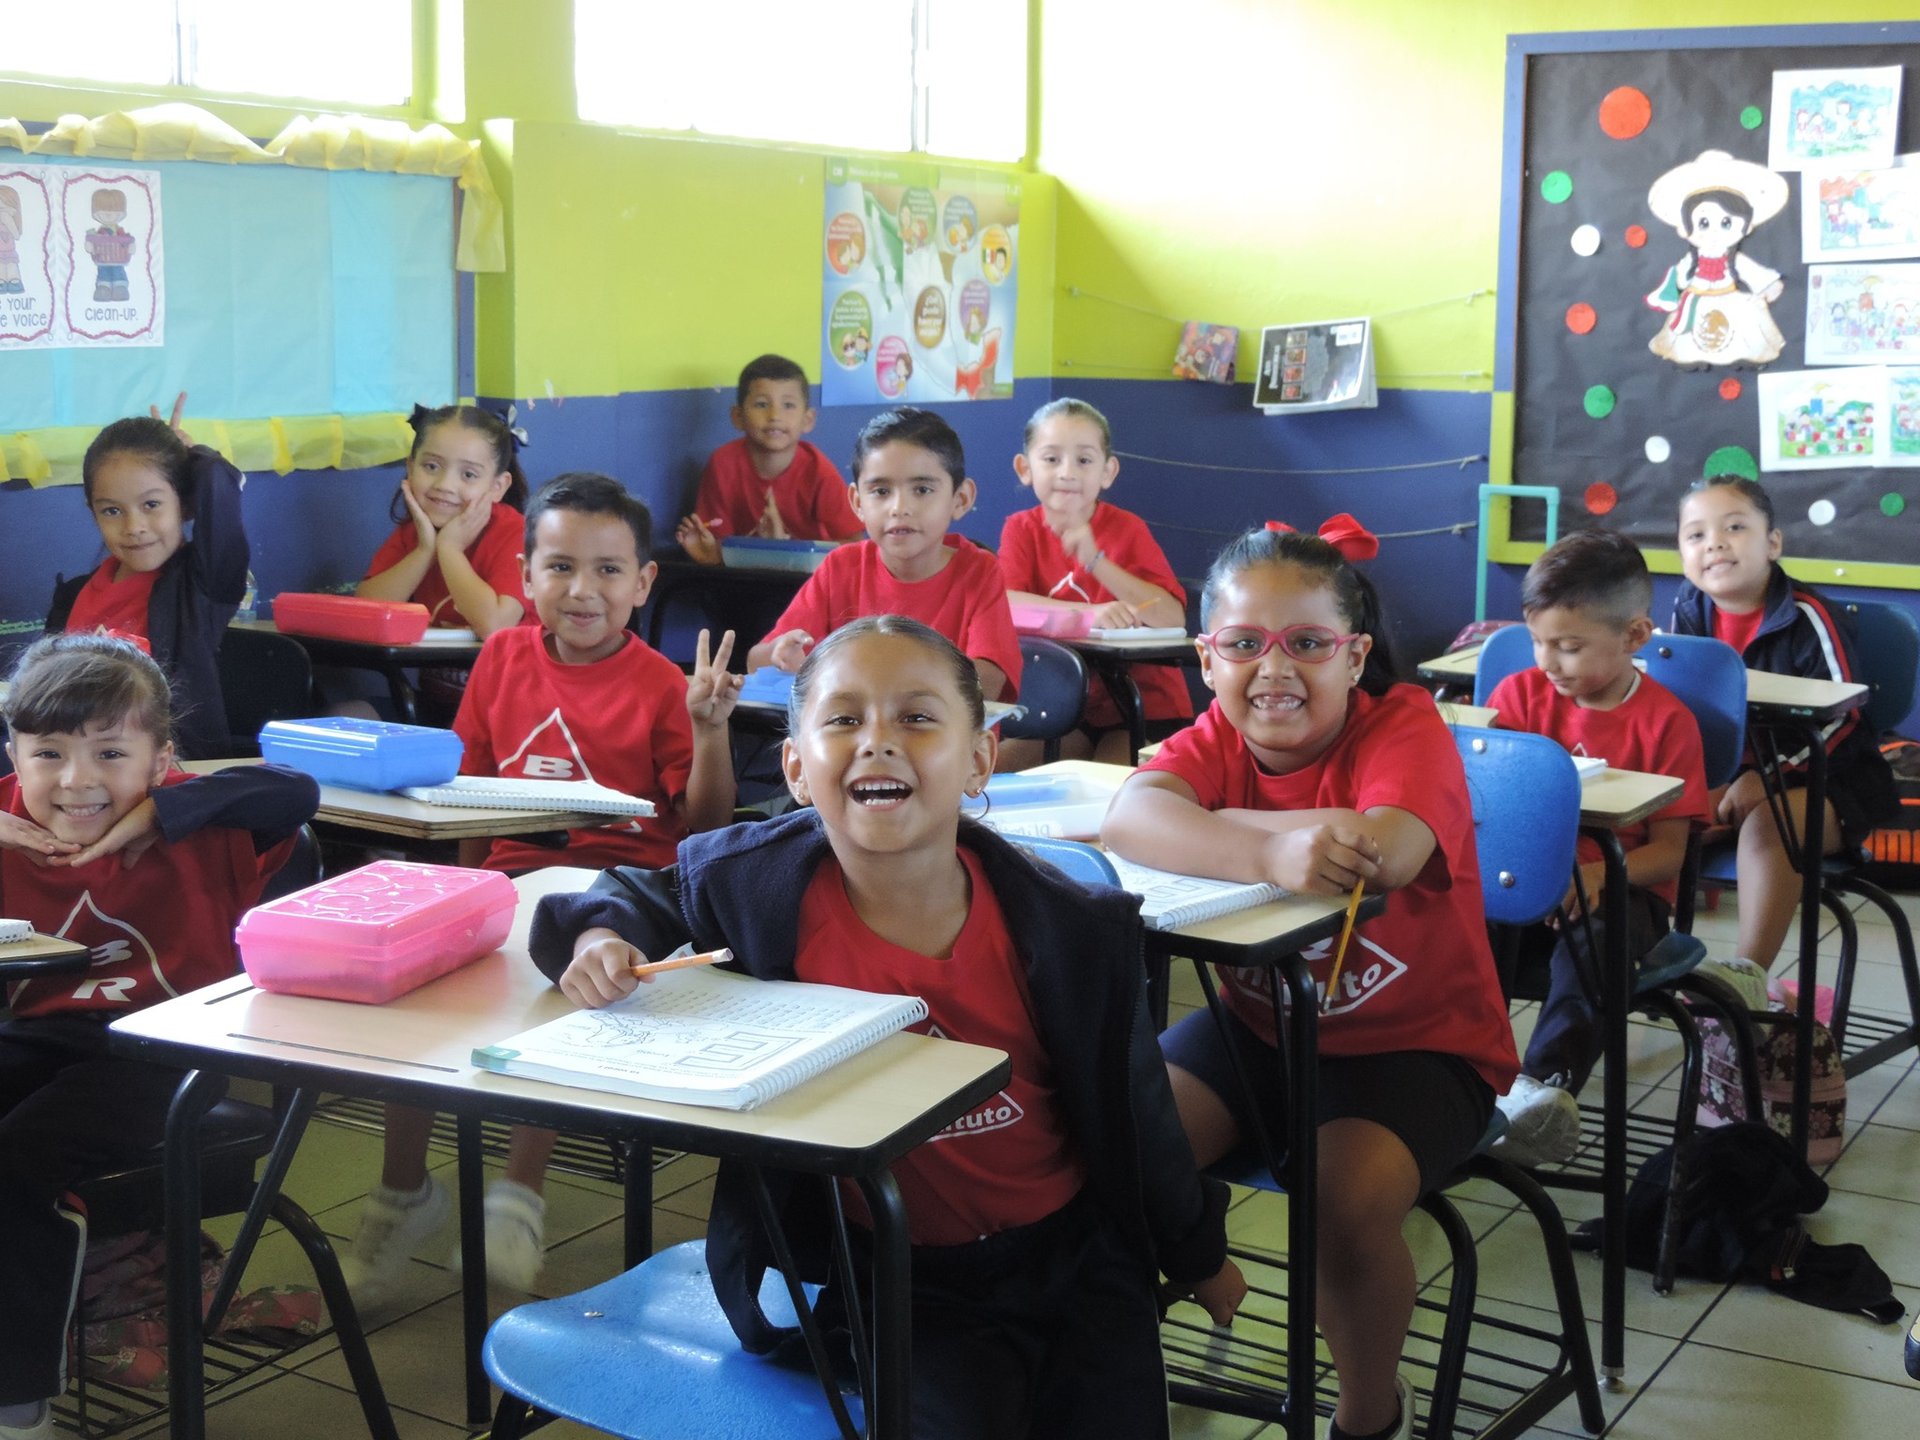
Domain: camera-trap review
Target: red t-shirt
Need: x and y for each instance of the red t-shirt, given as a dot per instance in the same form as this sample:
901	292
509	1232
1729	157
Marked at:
1737	630
966	601
158	929
810	494
118	606
1032	559
1010	1162
495	557
1650	730
1420	977
621	722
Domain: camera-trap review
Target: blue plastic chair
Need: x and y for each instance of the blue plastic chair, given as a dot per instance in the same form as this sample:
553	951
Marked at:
649	1355
1053	687
1073	858
1502	653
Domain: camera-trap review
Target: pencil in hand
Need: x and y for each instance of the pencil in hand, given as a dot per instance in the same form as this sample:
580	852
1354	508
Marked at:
1340	955
682	959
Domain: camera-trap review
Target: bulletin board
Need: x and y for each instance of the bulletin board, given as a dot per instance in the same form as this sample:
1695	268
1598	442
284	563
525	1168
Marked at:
1584	402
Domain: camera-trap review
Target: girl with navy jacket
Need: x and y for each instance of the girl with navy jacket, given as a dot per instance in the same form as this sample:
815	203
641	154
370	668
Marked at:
1037	1239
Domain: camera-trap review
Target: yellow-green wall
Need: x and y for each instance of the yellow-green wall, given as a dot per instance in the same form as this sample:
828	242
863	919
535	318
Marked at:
1251	161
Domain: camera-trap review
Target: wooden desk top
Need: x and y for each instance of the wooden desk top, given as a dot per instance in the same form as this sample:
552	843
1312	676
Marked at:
1796	697
859	1115
436	647
1456	666
41	955
1625	797
386	814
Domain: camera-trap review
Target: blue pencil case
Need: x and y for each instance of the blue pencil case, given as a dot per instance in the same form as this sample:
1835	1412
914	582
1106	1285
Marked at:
768	685
363	754
749	552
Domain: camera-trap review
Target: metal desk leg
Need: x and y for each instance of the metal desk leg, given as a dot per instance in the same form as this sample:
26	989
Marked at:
473	1267
891	1418
186	1360
1616	988
636	1156
1117	675
404	699
1303	1168
1812	850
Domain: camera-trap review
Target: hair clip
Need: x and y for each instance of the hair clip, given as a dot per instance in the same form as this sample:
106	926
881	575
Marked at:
517	434
1344	533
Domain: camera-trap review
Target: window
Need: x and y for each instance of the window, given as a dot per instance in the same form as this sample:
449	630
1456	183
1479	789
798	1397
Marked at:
357	52
947	76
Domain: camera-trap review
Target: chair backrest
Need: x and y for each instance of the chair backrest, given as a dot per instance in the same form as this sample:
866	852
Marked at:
1887	640
1053	687
1073	858
1710	679
1503	653
1526	819
300	869
263	677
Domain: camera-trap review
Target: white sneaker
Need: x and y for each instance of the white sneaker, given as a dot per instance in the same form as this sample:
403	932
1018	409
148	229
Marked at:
393	1226
1403	1427
516	1234
1543	1123
1745	979
38	1426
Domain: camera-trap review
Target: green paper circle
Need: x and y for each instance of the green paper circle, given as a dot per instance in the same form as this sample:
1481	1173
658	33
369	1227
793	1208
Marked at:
1599	402
1731	460
1892	503
1556	187
1752	118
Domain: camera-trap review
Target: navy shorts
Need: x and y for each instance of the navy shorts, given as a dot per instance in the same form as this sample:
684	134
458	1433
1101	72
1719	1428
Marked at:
1437	1105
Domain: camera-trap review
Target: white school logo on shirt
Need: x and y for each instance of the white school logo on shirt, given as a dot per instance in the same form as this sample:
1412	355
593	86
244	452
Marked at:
1066	583
544	766
1368	971
110	953
998	1113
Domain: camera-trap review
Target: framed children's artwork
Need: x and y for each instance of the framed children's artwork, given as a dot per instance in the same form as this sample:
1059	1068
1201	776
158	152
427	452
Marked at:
1696	227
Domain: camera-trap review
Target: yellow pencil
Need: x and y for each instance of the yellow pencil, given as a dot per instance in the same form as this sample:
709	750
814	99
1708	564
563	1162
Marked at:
1340	954
681	962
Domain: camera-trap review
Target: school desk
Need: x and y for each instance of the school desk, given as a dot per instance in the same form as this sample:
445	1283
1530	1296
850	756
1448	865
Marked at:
381	813
1113	661
42	955
856	1120
729	597
437	649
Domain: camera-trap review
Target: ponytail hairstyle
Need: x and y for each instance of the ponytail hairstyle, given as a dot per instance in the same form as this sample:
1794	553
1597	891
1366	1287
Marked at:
499	435
1752	491
153	441
965	677
66	682
1353	593
1072	409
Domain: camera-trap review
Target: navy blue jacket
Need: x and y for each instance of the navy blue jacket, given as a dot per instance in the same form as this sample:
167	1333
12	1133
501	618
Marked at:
1084	952
194	597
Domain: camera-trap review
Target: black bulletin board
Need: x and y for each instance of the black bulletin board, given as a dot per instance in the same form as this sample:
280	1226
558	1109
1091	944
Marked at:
1698	83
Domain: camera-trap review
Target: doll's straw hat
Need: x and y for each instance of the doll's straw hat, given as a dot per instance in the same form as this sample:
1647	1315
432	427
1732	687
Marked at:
1765	191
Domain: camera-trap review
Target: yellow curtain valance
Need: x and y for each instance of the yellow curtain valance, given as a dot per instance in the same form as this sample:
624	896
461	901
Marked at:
178	131
280	443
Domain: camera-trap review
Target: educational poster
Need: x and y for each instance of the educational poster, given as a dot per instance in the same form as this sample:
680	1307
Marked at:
1820	419
28	289
1863	315
1206	352
1900	445
1820	116
1861	214
114	285
920	271
1716	298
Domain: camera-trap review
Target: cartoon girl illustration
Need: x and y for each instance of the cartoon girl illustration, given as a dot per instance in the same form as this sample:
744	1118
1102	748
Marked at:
1716	297
12	222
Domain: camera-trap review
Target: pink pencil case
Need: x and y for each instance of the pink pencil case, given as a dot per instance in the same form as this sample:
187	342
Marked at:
376	932
1030	619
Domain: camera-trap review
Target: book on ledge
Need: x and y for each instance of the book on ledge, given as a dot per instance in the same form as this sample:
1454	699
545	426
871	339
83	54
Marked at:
511	792
705	1037
12	930
1169	901
1587	766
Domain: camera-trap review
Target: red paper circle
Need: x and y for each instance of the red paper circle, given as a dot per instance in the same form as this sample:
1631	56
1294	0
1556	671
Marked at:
1636	235
1625	112
1730	389
1601	498
1580	317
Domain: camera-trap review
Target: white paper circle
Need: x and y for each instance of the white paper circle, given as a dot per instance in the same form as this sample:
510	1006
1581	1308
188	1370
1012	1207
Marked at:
1821	512
1586	240
1658	449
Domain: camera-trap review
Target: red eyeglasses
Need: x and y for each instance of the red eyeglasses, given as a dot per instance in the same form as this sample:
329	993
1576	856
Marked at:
1243	644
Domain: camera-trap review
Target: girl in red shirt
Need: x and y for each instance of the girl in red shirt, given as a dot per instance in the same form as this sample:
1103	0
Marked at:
1312	770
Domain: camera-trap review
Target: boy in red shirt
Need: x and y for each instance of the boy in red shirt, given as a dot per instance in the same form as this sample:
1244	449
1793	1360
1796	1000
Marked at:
910	485
1586	603
577	697
769	483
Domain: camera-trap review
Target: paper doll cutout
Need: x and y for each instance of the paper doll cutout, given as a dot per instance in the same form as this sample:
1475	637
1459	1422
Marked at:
1716	297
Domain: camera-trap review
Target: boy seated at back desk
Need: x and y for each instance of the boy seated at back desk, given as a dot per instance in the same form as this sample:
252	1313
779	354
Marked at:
1587	603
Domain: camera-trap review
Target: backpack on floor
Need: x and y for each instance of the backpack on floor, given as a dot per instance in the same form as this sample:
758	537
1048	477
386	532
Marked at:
1893	851
1776	1043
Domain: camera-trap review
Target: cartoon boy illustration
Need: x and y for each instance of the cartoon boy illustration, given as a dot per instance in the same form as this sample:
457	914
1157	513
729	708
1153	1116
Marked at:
1715	297
12	222
110	246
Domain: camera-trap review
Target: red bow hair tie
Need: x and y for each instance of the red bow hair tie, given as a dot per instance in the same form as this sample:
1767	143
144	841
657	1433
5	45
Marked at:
1346	534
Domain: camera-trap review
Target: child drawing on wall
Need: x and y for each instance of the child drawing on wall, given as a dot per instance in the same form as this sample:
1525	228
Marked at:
1715	297
12	223
110	246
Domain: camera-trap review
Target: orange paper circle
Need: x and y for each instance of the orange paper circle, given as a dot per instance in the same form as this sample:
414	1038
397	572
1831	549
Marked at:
1730	389
1625	112
1601	497
1580	318
1636	236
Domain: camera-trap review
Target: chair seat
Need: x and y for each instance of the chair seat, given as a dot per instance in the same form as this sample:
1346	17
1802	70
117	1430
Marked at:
649	1355
233	1135
1242	1168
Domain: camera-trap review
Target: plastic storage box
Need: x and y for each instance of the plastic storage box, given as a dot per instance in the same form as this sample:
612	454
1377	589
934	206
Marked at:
1031	619
348	617
769	685
1069	807
363	754
376	932
747	552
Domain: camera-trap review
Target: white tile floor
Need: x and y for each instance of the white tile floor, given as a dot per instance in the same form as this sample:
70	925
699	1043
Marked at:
1725	1361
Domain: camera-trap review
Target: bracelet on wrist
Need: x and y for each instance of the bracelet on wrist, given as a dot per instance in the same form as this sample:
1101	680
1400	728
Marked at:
1098	556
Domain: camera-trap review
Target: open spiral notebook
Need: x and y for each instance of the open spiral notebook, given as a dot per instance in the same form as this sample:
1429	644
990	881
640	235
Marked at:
510	792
